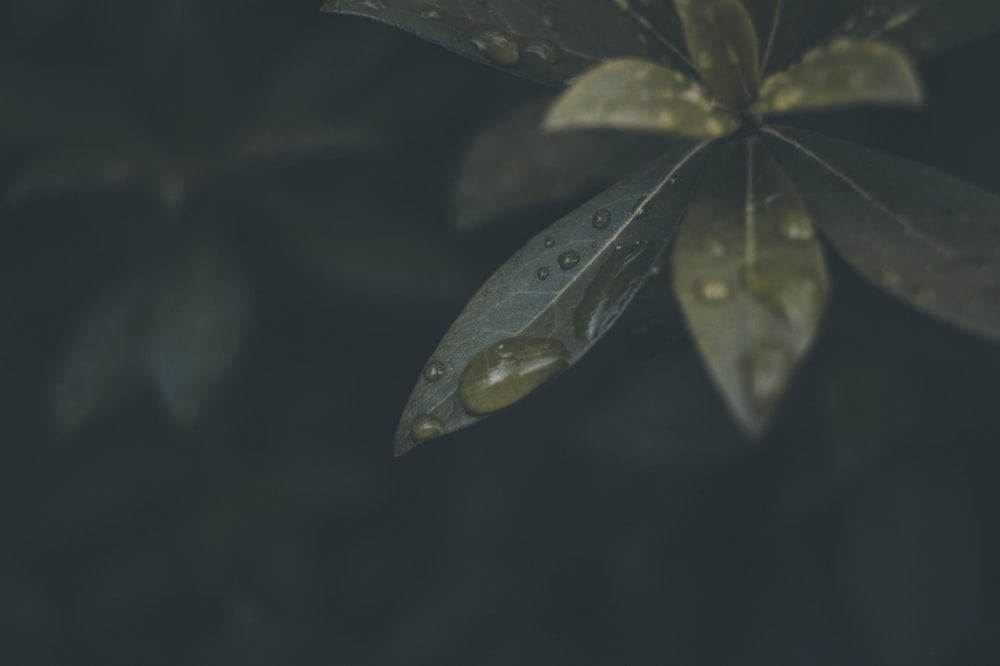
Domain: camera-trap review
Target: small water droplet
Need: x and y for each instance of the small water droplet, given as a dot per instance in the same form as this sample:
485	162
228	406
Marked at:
550	242
426	427
767	367
676	178
796	227
431	14
495	44
543	272
714	290
601	219
542	49
550	21
569	259
434	370
508	370
639	207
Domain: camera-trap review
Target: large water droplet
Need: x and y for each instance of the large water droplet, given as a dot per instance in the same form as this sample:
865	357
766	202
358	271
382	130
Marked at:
569	259
767	367
508	370
426	427
601	219
434	370
494	43
616	281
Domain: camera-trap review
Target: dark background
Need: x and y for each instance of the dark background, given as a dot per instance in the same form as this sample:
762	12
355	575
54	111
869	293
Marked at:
617	517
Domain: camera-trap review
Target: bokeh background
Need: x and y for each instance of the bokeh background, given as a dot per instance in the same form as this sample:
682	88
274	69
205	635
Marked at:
228	243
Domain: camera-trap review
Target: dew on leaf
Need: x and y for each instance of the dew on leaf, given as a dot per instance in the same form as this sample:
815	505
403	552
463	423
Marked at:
508	370
542	272
767	367
426	427
713	290
542	49
550	242
434	370
497	45
796	228
601	219
569	259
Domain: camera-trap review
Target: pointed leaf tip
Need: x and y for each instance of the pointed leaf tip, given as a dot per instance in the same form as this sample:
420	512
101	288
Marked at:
549	304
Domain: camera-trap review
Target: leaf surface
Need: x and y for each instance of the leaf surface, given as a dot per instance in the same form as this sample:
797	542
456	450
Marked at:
922	28
781	26
840	73
550	41
639	95
514	166
550	303
750	277
924	236
723	46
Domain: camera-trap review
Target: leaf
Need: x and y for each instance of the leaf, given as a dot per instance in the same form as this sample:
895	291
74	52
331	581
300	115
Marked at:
922	28
197	331
103	362
549	41
639	95
514	166
723	45
841	73
551	302
750	277
923	236
781	26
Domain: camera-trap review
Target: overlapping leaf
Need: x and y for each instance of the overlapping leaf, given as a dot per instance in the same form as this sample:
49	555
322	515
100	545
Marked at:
550	41
514	166
639	95
922	28
750	277
722	42
543	309
926	237
840	73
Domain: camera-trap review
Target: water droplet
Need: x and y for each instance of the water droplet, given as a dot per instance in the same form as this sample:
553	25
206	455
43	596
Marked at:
569	259
431	14
676	178
615	284
601	219
550	21
713	290
542	49
767	367
550	242
796	227
508	370
434	370
495	44
639	207
426	427
543	272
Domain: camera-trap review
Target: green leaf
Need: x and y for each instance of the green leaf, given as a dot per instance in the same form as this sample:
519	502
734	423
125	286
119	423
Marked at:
924	236
841	73
549	41
514	166
750	277
723	45
923	28
551	302
780	25
639	95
